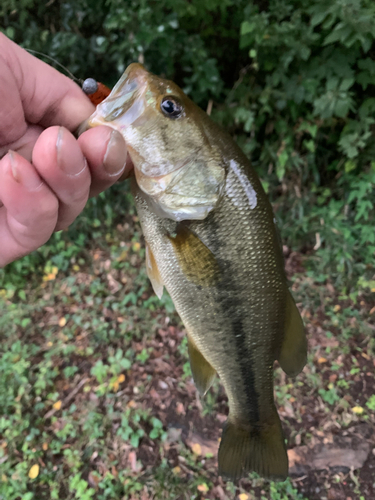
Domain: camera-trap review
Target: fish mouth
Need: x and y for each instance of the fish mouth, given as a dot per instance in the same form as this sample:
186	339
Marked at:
124	105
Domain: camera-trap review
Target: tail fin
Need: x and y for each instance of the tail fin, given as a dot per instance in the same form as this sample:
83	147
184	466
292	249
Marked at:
245	448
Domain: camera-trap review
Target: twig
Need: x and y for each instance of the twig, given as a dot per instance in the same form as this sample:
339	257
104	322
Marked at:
70	396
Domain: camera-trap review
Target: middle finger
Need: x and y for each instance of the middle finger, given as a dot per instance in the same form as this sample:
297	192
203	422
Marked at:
60	162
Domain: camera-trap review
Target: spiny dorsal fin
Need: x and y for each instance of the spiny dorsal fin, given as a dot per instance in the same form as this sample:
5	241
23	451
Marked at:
203	373
197	262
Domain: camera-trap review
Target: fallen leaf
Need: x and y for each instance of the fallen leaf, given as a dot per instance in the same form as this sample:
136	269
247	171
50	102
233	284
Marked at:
133	462
93	479
197	449
34	471
322	360
358	410
203	488
57	406
45	446
62	322
117	382
336	308
113	285
202	446
180	410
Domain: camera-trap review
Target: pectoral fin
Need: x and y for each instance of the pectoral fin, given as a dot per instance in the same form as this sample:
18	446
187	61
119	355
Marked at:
153	272
293	353
197	262
203	373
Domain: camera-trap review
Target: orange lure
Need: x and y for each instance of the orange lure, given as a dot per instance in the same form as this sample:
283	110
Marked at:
95	91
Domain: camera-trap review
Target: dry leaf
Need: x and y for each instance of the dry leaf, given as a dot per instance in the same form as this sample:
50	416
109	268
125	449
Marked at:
117	382
358	410
62	322
197	449
34	471
180	410
57	405
203	488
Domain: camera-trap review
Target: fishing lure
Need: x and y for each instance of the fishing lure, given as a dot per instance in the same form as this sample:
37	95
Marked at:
95	91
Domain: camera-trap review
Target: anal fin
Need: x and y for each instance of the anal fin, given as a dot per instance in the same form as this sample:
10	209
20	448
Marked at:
203	373
293	353
153	272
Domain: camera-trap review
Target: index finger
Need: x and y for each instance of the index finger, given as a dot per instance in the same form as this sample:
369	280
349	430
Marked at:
36	94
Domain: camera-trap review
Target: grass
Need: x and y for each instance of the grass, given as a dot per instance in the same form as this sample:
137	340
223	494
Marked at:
97	400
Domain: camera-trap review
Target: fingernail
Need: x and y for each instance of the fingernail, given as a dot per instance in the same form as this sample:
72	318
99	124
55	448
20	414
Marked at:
25	176
115	156
67	159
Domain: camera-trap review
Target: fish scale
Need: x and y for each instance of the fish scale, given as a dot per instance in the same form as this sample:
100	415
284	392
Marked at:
202	311
212	243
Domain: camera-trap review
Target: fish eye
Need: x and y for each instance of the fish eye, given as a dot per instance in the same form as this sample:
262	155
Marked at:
171	107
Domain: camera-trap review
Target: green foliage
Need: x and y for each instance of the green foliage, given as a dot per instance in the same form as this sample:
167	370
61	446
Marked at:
293	81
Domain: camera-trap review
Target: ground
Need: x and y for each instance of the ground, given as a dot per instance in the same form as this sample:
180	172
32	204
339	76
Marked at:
97	399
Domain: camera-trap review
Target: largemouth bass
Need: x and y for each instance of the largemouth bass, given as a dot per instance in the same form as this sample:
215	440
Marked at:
211	241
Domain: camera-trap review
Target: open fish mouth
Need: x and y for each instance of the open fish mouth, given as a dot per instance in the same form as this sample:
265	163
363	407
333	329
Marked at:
124	105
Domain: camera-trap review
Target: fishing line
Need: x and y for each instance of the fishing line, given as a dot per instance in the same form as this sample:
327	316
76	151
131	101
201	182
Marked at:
74	78
96	91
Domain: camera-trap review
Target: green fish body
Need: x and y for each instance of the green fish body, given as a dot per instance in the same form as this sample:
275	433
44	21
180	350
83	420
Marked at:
212	242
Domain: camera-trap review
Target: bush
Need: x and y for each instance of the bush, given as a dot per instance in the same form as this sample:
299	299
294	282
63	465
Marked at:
292	80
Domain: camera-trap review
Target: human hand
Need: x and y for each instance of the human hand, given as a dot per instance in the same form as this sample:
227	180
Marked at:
46	175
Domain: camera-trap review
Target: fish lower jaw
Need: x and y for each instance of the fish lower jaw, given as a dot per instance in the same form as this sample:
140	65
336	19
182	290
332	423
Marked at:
178	212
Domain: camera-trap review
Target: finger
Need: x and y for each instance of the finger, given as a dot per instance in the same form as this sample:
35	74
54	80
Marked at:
39	94
106	152
25	144
29	212
59	160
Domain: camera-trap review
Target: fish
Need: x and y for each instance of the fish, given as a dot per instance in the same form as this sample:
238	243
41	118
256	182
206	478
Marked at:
212	242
